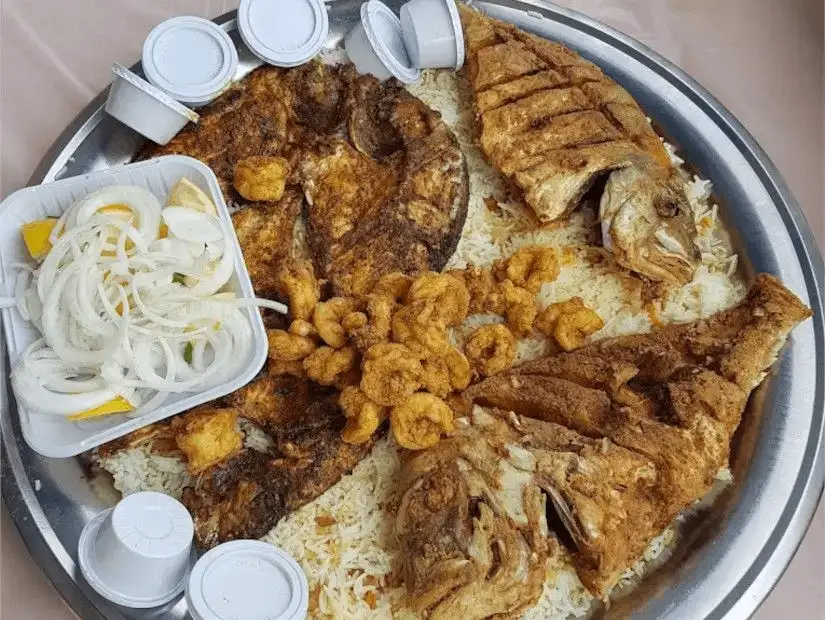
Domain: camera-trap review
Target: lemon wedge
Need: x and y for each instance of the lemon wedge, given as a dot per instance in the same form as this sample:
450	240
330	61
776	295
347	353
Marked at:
116	405
187	194
36	236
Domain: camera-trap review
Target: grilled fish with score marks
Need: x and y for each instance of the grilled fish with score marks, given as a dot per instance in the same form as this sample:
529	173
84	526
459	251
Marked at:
554	124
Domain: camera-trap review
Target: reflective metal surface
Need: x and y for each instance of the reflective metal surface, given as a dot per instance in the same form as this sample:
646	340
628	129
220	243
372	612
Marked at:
729	557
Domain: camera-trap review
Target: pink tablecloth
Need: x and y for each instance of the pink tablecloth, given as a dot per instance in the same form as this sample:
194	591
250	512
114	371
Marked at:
762	58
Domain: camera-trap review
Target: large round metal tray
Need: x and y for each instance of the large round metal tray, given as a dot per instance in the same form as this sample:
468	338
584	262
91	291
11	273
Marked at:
730	557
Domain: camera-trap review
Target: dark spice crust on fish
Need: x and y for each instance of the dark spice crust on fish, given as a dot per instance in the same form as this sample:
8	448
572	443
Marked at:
367	155
246	496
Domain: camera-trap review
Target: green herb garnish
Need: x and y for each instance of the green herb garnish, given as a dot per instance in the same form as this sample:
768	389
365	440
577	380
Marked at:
187	352
179	278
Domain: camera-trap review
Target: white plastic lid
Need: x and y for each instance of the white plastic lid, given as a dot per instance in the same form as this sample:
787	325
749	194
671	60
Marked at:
285	33
191	58
383	30
247	579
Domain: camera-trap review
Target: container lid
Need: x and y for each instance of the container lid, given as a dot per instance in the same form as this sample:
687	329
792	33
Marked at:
247	579
285	33
459	33
138	82
191	58
383	30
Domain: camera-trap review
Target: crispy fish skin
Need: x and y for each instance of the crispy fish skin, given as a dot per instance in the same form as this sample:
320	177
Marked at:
620	436
264	231
385	178
392	198
554	124
246	496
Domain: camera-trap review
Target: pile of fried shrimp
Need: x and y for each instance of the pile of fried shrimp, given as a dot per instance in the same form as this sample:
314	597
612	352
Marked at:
390	353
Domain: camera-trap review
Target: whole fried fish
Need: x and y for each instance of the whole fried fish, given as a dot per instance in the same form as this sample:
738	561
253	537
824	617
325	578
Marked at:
385	180
554	124
620	436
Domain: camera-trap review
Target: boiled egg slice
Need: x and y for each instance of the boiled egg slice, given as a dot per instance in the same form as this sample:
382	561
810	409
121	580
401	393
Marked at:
142	204
190	225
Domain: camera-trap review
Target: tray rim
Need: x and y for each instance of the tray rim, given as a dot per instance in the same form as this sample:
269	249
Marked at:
788	532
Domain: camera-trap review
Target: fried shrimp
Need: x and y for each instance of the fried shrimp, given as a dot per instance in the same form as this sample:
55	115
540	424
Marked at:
480	284
363	415
393	285
446	372
378	325
547	318
439	297
530	267
519	308
327	364
260	178
419	422
327	318
424	338
491	349
459	368
300	327
572	329
353	321
436	376
569	323
287	347
391	373
298	284
277	368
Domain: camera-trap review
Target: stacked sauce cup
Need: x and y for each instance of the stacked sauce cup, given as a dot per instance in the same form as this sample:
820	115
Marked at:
193	60
138	554
432	34
427	36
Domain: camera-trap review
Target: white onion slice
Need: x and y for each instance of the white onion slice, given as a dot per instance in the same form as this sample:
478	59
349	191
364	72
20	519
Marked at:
120	309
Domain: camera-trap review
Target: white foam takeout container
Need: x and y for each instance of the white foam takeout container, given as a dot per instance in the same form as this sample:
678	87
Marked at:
284	33
55	436
139	553
376	45
432	34
191	59
247	579
146	109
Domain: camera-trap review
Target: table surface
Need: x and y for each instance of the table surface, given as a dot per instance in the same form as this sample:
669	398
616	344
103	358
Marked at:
763	59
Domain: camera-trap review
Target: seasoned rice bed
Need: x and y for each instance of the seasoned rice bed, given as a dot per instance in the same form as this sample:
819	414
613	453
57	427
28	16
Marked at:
344	539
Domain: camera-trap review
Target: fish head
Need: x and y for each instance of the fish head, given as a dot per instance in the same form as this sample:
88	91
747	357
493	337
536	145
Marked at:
647	223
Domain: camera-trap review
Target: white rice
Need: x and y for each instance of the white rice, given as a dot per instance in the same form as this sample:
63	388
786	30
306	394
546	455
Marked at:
344	540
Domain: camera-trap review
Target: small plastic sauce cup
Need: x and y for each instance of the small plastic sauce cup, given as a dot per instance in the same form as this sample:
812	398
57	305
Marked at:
146	109
247	579
284	33
432	34
138	554
191	59
376	45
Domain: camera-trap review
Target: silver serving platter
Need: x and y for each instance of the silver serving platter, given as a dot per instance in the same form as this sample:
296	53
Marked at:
729	557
